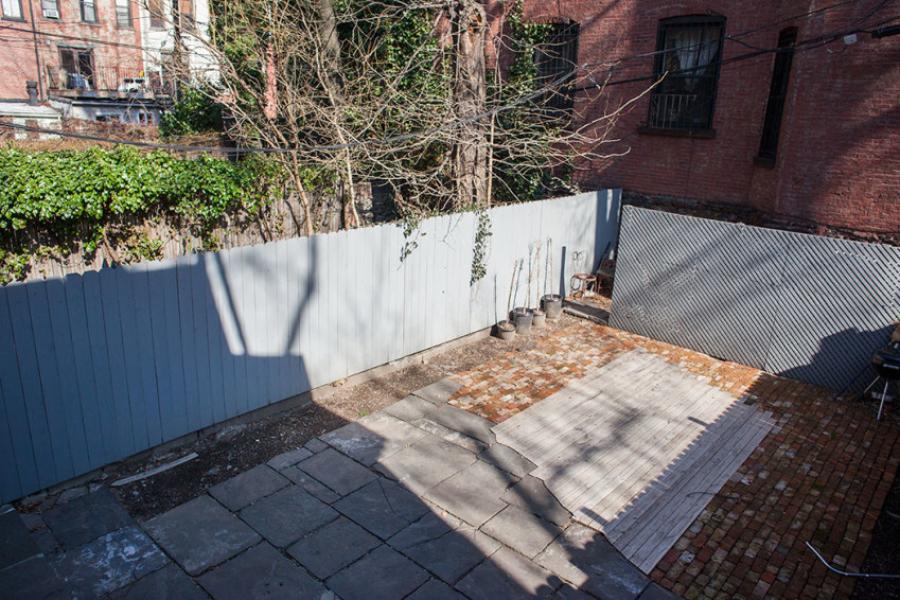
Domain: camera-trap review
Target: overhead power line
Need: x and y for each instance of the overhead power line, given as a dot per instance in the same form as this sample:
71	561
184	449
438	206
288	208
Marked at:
803	44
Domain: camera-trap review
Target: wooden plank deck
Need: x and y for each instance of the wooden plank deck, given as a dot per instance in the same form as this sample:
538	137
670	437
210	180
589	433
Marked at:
636	449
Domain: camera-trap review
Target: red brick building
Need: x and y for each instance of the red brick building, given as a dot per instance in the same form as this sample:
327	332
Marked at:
807	137
65	44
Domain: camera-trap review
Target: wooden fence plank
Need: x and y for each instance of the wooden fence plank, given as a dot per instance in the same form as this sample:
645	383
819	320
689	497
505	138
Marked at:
108	363
187	340
56	373
15	412
98	414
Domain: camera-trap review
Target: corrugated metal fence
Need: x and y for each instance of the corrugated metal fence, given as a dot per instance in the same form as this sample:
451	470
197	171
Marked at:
96	367
809	307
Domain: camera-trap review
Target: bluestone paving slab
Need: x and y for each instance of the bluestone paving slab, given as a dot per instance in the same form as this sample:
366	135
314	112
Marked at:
110	562
383	574
531	494
289	458
438	392
261	572
32	578
343	475
522	531
86	518
287	515
425	464
568	592
248	487
15	540
46	541
507	459
446	434
201	533
473	494
311	484
583	557
465	423
333	547
434	589
453	554
655	591
168	583
315	445
383	507
373	437
430	527
410	409
510	576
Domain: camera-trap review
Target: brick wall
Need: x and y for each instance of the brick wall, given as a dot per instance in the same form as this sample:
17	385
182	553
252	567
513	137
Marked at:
116	49
838	162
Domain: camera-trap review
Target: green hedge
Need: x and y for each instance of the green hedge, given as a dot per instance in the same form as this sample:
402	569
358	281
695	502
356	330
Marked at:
62	195
50	189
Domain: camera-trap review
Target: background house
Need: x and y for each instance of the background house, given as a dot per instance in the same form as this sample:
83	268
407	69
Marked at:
97	60
805	137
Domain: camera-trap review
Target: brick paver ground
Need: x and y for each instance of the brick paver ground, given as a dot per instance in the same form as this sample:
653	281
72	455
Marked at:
821	475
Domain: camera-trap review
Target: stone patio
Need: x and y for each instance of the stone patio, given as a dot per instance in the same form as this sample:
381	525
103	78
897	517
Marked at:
416	501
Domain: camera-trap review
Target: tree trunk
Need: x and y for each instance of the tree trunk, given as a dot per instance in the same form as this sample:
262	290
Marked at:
471	152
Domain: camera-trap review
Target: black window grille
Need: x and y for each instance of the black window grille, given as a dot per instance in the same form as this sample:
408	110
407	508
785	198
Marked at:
689	51
556	61
78	67
781	73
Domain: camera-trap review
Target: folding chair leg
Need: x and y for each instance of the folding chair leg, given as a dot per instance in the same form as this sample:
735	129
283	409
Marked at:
883	396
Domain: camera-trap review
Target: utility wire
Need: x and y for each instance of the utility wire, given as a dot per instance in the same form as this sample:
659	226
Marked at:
415	135
638	55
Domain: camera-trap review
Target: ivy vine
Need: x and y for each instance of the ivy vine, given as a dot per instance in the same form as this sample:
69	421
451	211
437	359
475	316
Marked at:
482	238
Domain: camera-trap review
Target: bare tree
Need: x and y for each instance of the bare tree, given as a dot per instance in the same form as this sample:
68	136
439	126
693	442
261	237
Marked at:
398	91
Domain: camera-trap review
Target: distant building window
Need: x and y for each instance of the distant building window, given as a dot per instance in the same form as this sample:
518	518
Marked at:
157	15
12	9
50	8
688	54
186	12
89	11
768	146
123	14
78	66
556	61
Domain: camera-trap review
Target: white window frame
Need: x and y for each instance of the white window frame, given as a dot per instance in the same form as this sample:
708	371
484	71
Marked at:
10	8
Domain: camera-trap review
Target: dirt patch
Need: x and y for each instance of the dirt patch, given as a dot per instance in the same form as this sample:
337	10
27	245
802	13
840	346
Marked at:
239	447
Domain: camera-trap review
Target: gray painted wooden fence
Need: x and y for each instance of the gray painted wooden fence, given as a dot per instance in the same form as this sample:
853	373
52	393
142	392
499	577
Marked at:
96	367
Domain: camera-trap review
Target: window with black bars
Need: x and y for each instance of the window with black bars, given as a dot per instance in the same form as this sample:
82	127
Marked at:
781	73
556	61
688	55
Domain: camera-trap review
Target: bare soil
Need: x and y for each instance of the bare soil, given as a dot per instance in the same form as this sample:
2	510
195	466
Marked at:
236	448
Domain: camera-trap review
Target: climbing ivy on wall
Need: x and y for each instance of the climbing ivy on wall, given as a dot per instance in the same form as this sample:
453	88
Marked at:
70	197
